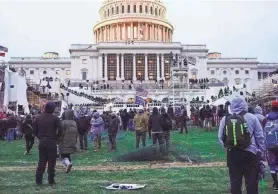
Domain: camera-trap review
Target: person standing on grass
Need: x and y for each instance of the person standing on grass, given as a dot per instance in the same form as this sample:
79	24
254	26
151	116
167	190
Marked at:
68	139
113	127
166	128
97	127
207	114
28	131
183	118
155	122
141	127
83	125
47	129
242	135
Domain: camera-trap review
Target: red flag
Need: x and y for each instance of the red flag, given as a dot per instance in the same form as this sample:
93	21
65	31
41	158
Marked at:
2	54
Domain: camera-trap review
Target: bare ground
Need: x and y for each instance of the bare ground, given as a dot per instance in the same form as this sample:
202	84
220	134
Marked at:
111	167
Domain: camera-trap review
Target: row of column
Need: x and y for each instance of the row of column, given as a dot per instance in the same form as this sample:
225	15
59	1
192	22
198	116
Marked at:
126	31
263	75
134	67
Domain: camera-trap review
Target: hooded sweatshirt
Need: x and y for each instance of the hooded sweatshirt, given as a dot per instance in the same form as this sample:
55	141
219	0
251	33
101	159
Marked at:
97	124
238	105
258	111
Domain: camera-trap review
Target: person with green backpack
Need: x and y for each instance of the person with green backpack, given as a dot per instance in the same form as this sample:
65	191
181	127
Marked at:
241	134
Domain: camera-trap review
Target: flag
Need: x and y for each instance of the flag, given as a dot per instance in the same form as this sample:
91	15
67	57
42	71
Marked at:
2	48
192	60
141	92
2	54
139	101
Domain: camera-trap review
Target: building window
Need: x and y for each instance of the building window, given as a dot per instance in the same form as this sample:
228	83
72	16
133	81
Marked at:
128	66
120	65
151	10
224	72
155	11
103	66
259	75
111	66
31	72
84	75
134	8
123	9
44	72
146	9
237	72
152	61
212	72
140	9
112	10
108	12
128	9
117	10
140	67
159	13
84	61
247	72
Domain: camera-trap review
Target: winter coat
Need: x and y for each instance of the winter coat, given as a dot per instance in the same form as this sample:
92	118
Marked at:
47	128
83	125
68	140
28	128
155	122
141	122
113	125
97	124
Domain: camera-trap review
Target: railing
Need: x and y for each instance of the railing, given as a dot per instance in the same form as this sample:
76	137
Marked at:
39	59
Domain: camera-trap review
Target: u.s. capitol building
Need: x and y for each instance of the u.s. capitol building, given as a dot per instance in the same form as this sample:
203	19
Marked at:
133	41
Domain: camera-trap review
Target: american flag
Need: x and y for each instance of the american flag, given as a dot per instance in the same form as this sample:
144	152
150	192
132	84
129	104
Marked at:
2	48
141	92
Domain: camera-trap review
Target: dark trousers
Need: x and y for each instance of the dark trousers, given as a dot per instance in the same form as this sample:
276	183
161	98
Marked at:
63	156
83	140
158	137
125	125
166	138
140	135
183	126
29	142
150	134
243	163
46	155
112	140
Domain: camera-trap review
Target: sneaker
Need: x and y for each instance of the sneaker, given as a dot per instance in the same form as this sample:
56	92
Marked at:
68	169
275	186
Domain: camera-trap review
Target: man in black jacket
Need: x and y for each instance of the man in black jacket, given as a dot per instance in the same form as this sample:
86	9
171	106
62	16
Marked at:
166	128
47	129
83	124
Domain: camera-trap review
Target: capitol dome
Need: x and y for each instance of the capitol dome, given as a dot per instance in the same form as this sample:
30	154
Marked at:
133	20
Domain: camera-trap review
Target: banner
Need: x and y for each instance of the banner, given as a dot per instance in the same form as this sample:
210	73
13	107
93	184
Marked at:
139	101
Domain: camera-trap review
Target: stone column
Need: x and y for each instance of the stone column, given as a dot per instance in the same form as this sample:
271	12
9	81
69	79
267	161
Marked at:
118	67
122	68
125	36
157	67
108	29
152	33
118	32
131	31
96	37
146	67
134	67
139	36
99	64
105	34
146	32
105	67
162	66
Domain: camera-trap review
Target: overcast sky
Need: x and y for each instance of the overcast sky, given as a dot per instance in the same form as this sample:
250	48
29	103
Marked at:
234	28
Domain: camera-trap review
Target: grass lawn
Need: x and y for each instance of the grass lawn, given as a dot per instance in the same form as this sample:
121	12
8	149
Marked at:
208	180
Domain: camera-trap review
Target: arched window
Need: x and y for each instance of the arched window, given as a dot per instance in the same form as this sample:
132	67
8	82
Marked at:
117	10
112	11
146	9
155	11
151	10
128	9
134	8
123	9
104	13
159	12
141	9
84	73
108	13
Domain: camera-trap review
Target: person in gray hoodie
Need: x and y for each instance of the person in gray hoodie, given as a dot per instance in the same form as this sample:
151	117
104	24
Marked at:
258	111
244	162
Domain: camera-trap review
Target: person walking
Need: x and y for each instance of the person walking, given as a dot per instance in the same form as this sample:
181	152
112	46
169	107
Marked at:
47	129
83	125
242	135
97	126
113	127
28	131
166	128
207	114
154	125
141	127
68	139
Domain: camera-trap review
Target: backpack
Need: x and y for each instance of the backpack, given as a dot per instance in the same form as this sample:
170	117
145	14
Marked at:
271	133
236	134
167	125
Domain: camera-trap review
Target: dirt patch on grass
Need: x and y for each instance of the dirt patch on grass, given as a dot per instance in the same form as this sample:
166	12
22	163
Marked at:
111	167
